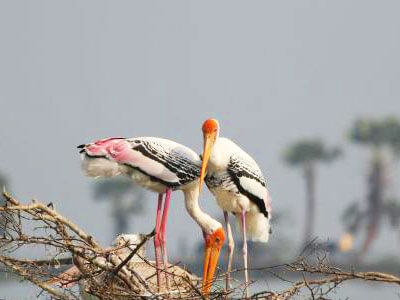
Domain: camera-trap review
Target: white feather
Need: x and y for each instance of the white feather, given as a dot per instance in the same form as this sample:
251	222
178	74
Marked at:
156	169
101	167
230	199
257	227
253	187
153	168
222	151
121	157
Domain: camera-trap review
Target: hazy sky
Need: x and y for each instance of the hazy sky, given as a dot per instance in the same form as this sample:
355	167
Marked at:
270	71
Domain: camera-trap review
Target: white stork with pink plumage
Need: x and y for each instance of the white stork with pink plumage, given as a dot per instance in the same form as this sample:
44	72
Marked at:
161	166
239	187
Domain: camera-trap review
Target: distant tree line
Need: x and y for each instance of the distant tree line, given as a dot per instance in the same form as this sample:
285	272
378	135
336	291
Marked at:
382	137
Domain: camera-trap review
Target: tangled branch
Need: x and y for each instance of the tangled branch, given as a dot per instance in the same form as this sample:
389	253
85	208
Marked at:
319	278
123	271
108	273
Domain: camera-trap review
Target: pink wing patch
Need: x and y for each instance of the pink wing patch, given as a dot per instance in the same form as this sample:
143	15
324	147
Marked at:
116	149
102	147
122	153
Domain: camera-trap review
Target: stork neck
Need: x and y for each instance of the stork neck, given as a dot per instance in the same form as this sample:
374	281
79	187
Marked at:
192	206
220	155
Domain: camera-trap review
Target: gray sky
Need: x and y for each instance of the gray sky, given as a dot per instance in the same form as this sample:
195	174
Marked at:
271	72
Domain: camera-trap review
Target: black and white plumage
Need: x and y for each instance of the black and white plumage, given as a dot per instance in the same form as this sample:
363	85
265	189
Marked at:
239	187
159	165
238	184
153	163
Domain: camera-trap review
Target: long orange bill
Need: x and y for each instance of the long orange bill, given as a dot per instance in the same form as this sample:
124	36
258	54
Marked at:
206	157
210	265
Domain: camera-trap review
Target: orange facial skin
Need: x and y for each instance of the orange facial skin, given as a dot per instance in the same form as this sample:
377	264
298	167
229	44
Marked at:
214	243
210	126
210	133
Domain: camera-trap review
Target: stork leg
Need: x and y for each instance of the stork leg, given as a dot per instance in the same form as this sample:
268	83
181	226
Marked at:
157	242
231	247
246	273
162	235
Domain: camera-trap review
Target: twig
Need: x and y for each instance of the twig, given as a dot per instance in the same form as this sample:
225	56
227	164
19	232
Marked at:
129	257
12	265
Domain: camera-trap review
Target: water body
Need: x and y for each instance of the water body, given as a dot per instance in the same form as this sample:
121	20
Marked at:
349	290
11	290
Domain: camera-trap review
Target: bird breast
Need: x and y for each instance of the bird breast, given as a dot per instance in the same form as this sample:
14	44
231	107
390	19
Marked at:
227	194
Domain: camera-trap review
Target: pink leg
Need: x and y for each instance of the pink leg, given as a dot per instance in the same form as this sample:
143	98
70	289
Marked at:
246	273
231	247
162	234
157	243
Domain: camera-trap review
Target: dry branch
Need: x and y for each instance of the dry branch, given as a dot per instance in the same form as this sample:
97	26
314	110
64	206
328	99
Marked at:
319	278
102	272
107	274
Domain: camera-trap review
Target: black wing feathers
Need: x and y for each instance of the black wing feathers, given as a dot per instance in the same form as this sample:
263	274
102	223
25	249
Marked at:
185	169
238	168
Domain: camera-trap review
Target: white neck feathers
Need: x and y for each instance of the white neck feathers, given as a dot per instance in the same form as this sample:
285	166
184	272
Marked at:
207	223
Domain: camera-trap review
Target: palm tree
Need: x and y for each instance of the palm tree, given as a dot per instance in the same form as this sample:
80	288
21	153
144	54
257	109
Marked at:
382	136
306	154
126	199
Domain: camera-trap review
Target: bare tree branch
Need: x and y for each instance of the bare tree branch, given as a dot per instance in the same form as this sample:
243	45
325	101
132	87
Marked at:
106	274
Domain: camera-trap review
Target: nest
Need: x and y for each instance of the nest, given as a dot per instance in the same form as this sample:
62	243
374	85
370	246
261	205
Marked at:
118	272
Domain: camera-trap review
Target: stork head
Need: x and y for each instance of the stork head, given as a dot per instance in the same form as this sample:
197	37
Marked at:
210	134
214	240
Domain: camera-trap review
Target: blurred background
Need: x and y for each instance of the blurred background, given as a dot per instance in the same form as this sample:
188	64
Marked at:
310	89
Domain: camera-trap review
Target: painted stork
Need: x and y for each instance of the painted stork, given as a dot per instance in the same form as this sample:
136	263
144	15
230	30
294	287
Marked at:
239	186
161	166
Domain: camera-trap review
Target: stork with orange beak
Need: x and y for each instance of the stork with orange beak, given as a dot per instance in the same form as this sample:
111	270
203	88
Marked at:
239	186
161	166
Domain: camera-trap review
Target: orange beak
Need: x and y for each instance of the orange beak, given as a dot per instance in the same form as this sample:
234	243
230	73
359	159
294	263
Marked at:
209	140
211	256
